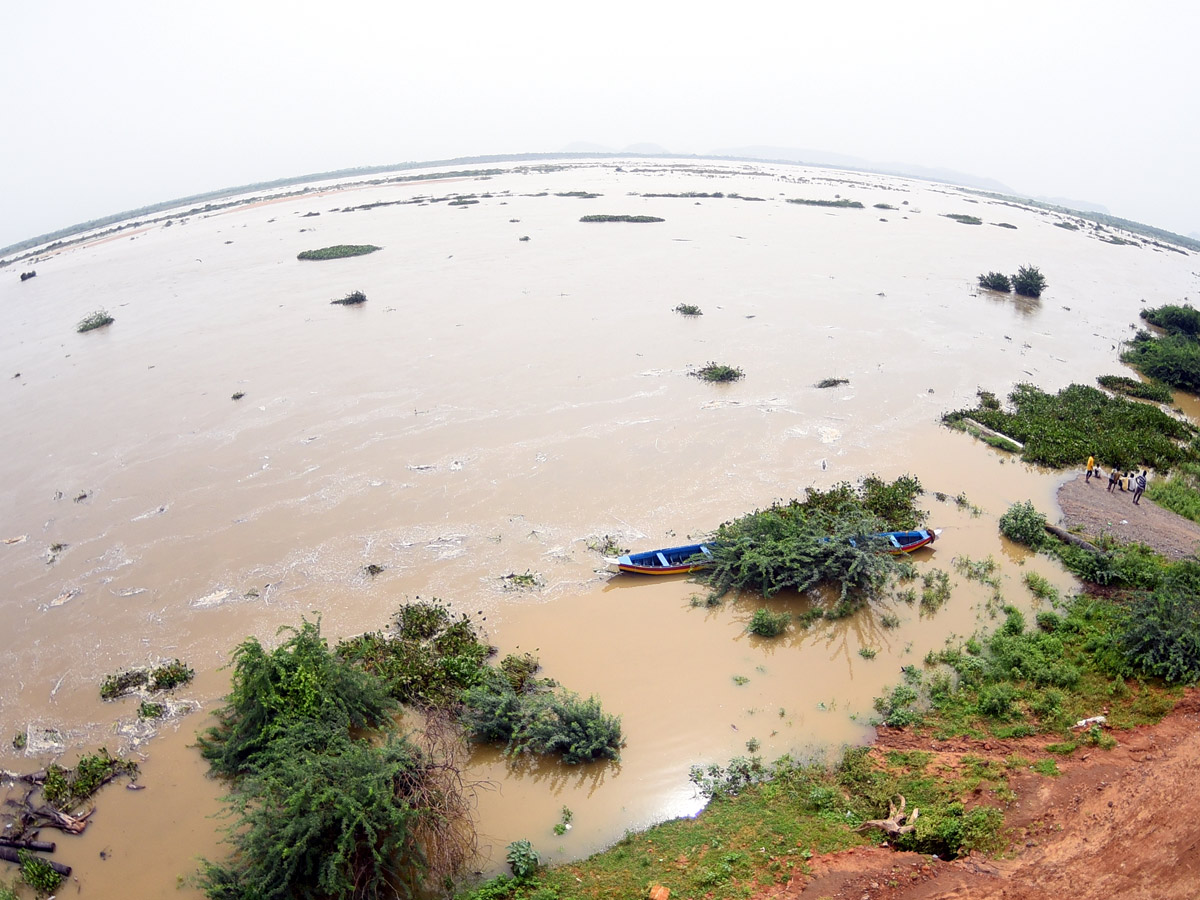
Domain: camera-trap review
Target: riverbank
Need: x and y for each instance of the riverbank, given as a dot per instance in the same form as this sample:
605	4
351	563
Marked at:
1094	510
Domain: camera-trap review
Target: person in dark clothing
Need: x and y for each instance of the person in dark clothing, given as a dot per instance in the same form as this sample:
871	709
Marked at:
1140	487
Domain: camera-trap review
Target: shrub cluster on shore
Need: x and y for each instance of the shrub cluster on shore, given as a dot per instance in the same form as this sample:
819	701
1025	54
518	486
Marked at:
1174	357
328	799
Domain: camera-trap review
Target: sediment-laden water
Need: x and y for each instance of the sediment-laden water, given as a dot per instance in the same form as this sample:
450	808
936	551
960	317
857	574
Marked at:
496	406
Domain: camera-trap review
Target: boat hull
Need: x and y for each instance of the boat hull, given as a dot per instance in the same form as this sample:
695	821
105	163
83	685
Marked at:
668	561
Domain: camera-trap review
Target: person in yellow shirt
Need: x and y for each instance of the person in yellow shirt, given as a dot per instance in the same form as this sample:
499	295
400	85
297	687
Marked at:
1091	465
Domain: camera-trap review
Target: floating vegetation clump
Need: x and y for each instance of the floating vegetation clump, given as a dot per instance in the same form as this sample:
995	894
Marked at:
521	581
95	320
238	395
606	218
884	206
832	382
718	372
123	683
582	195
688	309
170	676
964	219
339	251
835	204
351	299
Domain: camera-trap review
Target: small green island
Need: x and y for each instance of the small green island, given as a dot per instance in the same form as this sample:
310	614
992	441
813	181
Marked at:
339	251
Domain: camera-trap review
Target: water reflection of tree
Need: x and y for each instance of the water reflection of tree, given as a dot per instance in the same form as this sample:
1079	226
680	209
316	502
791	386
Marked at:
547	772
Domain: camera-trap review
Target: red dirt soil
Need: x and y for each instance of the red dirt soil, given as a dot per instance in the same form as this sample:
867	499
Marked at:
1120	823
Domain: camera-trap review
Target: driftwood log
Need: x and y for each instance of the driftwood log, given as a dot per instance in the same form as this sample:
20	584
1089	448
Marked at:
11	855
44	846
1069	538
898	821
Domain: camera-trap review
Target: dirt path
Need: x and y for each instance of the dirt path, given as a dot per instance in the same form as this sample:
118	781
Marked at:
1096	510
1123	823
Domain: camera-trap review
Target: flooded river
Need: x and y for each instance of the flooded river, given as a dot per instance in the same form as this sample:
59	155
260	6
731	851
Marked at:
495	407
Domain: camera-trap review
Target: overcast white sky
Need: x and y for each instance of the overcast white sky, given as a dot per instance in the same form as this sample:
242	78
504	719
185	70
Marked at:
115	105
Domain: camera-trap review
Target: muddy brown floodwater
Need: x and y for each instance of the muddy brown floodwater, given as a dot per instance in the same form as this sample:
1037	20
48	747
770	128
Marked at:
494	406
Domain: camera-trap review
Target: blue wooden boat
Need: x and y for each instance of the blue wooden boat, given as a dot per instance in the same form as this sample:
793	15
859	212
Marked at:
907	541
694	557
668	561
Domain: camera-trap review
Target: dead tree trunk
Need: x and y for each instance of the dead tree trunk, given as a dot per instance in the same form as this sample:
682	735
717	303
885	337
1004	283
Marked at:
898	821
1069	538
11	854
44	846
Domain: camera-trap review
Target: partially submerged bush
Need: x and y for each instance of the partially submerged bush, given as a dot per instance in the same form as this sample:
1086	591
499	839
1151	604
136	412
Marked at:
536	720
832	382
688	309
718	372
995	281
98	319
1173	359
1175	319
964	219
1029	282
1024	524
768	624
351	299
827	538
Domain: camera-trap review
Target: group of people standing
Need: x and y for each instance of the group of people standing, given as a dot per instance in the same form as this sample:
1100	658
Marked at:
1129	482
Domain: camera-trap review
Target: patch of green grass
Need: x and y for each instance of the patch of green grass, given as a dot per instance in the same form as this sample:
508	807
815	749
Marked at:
338	251
718	372
1047	767
964	219
1040	587
625	218
1179	492
98	319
